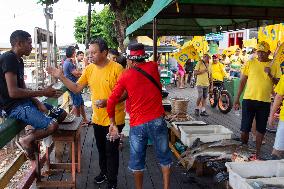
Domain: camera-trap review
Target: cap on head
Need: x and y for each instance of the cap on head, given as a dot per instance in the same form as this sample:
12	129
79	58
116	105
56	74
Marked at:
215	56
136	52
263	46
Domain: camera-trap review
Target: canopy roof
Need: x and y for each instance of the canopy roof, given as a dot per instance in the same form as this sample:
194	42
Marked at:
198	17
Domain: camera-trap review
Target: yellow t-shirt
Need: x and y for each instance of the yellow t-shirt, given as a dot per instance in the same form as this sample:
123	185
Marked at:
202	79
218	72
101	82
259	85
279	89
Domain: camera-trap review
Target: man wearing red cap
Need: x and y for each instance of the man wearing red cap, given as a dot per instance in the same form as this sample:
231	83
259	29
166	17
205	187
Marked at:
146	113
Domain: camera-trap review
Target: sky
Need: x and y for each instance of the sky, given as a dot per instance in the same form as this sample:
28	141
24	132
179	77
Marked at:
27	14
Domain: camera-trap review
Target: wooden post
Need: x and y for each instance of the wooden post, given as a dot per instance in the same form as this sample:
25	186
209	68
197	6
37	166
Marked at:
155	55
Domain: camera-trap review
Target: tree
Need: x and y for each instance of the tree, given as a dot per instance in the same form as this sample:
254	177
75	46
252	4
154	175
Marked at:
101	26
125	12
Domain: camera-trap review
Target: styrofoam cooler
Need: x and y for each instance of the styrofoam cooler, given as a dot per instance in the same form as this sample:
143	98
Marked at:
239	172
208	133
188	123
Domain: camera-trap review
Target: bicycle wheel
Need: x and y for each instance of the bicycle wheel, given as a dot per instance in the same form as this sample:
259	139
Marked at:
225	102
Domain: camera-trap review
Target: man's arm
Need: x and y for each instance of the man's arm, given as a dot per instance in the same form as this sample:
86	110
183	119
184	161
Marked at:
116	96
241	88
76	73
16	92
57	73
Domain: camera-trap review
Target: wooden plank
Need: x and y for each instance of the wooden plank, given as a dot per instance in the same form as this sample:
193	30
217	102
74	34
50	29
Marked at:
63	184
11	171
30	177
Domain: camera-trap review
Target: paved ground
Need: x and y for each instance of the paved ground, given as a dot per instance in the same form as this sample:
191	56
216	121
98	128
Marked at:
180	179
230	120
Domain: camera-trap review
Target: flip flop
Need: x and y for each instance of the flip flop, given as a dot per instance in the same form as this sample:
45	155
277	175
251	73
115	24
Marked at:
29	152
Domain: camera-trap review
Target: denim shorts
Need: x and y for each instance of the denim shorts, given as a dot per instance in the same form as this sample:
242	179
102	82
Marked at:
28	113
155	130
76	99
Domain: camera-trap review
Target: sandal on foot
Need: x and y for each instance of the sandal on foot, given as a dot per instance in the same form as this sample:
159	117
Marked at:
29	152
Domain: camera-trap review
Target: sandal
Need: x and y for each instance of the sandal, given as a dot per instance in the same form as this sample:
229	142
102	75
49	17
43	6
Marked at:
29	152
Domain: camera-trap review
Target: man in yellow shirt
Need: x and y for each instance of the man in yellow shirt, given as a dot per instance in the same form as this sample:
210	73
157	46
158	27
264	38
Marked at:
218	73
259	76
202	82
236	64
101	77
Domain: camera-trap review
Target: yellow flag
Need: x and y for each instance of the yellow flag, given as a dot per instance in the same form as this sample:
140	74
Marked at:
250	43
186	53
279	55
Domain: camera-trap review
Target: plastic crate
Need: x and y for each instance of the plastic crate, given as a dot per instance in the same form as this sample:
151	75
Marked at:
240	172
209	133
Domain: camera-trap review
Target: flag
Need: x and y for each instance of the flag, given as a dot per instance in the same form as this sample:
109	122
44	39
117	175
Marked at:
279	55
250	43
186	53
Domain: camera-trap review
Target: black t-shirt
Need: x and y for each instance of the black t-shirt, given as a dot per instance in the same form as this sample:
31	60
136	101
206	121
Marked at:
10	63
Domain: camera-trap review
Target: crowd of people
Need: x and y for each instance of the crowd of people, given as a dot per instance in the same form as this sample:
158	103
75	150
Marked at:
110	84
113	79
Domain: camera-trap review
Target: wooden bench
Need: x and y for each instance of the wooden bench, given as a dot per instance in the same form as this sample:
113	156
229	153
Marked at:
69	133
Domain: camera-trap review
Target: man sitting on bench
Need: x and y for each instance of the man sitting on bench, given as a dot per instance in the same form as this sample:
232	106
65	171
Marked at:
19	102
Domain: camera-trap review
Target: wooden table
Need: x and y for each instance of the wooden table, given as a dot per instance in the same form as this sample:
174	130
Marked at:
67	132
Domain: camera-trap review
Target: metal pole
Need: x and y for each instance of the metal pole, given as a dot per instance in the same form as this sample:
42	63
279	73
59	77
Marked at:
48	62
155	39
36	55
55	46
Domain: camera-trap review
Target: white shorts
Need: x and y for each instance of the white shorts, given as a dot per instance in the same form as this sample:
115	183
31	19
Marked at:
279	139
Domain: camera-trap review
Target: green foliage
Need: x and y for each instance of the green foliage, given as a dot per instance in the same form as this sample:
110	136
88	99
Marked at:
135	9
47	2
101	26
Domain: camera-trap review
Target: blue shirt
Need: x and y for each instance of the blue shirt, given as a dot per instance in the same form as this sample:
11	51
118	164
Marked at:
68	67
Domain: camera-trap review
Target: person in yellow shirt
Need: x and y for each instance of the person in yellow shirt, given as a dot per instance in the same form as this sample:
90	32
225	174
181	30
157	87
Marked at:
101	76
236	64
259	76
202	72
278	148
217	69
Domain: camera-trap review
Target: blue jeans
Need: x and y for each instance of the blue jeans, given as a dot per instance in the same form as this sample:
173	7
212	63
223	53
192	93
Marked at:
157	131
28	113
76	99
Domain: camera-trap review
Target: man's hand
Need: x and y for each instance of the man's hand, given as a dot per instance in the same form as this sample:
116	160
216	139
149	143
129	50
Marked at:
271	120
51	92
113	130
42	107
267	70
102	103
55	72
237	104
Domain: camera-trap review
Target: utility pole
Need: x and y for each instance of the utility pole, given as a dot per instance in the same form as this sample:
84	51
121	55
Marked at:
48	13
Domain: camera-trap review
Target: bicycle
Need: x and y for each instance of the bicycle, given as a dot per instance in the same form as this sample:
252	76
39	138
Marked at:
221	97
